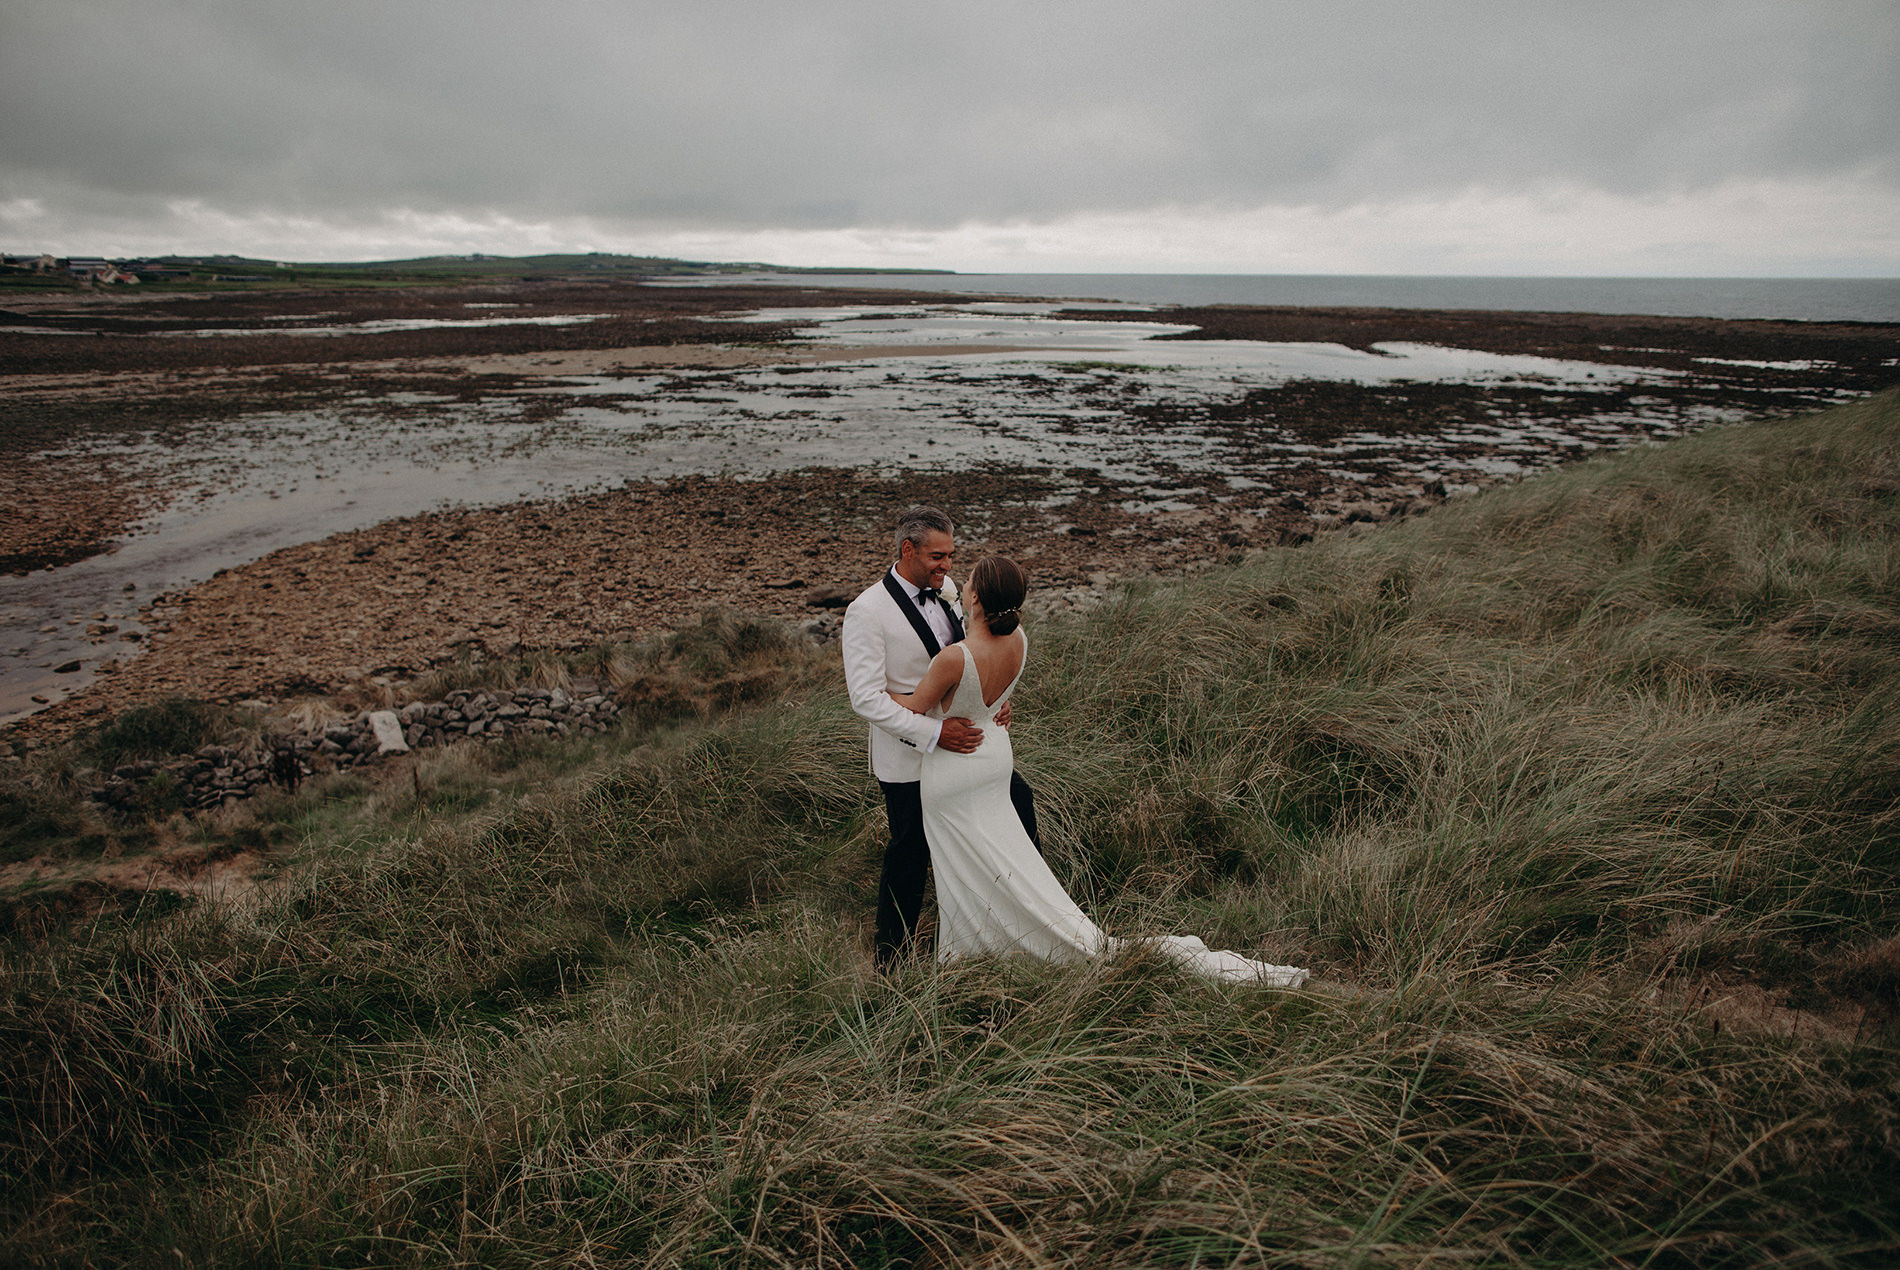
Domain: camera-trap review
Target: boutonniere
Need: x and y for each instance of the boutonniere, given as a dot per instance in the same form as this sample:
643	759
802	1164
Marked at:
950	598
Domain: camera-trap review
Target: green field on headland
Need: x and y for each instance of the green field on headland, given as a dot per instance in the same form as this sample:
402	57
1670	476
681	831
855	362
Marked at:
1581	796
245	273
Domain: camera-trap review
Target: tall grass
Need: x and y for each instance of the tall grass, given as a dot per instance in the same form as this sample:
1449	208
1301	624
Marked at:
1579	794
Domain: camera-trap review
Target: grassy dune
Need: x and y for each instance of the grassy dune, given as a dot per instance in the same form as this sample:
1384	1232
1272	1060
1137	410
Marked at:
1580	796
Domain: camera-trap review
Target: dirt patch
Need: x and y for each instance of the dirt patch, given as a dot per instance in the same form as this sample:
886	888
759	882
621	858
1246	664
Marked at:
44	895
1738	1005
1843	996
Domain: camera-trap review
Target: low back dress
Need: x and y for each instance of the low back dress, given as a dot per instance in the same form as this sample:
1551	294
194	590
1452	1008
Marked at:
995	893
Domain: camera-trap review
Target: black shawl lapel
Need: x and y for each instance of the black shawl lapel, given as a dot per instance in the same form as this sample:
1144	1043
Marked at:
915	617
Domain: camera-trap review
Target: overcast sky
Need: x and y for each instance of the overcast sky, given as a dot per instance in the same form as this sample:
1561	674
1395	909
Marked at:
1242	136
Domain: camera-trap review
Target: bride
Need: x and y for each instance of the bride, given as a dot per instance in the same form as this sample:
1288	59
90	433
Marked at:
994	892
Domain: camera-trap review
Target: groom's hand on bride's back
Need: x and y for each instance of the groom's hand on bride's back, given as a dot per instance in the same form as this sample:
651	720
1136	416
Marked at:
959	737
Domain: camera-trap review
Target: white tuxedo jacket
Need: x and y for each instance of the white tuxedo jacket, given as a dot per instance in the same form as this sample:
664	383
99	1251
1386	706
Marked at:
883	653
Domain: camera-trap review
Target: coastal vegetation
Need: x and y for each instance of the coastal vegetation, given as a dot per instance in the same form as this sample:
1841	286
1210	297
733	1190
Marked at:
1581	796
241	273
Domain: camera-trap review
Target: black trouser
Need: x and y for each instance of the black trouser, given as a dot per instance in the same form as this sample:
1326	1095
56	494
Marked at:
900	891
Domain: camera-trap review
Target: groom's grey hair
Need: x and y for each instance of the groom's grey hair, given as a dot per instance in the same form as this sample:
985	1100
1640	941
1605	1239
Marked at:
915	524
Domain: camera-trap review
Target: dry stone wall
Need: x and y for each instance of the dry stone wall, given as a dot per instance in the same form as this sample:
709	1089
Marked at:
225	774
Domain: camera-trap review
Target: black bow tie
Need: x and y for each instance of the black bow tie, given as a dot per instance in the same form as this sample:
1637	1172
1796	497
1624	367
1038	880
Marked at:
927	593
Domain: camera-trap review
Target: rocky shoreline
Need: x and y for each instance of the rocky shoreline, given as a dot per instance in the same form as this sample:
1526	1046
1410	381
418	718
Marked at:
358	616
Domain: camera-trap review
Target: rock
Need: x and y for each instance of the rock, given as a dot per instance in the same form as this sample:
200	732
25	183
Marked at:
827	597
1363	513
66	667
388	731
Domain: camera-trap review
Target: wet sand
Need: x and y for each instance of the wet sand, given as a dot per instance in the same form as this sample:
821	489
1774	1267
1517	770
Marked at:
388	601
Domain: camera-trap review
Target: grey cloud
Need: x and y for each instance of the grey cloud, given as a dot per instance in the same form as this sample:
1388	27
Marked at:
830	113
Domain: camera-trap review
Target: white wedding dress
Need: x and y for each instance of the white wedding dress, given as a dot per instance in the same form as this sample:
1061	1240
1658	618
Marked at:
995	894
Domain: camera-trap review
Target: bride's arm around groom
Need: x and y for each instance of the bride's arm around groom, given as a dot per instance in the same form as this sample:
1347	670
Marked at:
882	655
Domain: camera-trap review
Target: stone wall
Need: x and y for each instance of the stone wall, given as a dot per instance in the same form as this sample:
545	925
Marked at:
224	774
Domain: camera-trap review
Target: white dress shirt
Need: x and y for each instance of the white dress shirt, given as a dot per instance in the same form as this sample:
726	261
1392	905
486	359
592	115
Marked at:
937	617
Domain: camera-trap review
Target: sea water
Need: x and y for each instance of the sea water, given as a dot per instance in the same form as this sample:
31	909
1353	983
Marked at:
1796	299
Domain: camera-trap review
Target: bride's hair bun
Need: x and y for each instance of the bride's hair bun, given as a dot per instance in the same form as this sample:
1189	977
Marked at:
1000	586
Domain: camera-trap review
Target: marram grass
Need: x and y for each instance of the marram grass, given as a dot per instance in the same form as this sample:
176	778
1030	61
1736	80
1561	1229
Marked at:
1579	795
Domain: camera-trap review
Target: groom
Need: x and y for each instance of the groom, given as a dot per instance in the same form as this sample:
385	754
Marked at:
891	632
